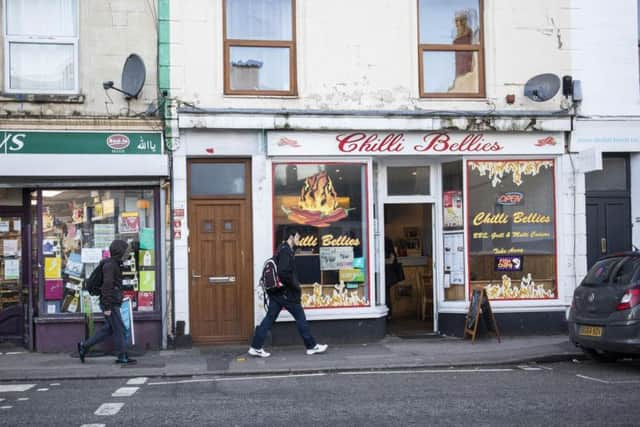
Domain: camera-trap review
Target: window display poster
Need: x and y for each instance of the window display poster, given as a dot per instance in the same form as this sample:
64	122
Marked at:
53	289
147	281
91	255
4	226
50	246
454	257
10	247
103	235
52	267
452	204
11	269
146	258
145	301
336	257
146	238
74	265
17	225
129	223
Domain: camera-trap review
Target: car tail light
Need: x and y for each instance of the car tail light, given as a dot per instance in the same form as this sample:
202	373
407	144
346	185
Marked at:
630	299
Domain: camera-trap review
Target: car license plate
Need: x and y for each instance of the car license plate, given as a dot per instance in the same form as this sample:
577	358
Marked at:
590	331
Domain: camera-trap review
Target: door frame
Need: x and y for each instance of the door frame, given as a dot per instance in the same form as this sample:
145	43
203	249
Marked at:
25	235
248	317
433	199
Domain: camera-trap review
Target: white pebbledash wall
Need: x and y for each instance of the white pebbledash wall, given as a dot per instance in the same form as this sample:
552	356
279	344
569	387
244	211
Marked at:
362	55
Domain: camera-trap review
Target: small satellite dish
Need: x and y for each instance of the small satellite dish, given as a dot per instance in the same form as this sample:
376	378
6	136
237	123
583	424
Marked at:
542	87
133	77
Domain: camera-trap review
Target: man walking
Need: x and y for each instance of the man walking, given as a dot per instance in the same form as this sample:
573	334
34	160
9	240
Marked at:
110	302
287	297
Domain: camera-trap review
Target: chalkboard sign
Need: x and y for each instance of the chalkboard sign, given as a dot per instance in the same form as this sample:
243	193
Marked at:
480	304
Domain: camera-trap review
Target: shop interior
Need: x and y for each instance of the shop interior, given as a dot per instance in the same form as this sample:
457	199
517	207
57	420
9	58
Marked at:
409	239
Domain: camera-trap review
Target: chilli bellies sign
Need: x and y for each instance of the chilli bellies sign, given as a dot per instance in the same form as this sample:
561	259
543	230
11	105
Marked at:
31	142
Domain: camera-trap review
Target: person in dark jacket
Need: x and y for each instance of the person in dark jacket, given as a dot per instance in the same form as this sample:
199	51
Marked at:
288	297
110	302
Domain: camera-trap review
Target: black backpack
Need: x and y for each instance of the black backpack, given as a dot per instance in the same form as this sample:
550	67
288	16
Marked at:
94	283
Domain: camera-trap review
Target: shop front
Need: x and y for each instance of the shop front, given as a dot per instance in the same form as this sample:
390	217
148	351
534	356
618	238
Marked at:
398	228
64	196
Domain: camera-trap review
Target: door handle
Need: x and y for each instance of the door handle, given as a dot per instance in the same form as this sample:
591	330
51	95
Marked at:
603	245
195	275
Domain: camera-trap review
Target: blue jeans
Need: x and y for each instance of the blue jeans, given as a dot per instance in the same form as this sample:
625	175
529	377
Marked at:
114	325
276	303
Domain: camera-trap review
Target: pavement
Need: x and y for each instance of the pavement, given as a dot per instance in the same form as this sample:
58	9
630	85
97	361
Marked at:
391	353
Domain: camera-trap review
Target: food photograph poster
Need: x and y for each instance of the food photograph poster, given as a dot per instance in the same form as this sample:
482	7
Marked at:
326	202
512	228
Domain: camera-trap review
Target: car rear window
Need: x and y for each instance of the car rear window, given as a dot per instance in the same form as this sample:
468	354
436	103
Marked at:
627	271
601	271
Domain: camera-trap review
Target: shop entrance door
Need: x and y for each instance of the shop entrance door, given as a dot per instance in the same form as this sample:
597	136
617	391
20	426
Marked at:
221	283
13	295
608	204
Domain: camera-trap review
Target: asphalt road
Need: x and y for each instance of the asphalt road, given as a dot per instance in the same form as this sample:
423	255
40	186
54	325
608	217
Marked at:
564	394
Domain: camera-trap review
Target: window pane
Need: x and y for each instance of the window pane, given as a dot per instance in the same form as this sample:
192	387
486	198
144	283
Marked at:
449	21
217	179
42	18
259	19
78	228
613	175
259	68
511	223
41	66
328	206
450	72
412	180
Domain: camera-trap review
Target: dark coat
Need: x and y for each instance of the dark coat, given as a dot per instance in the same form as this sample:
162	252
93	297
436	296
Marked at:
111	293
288	274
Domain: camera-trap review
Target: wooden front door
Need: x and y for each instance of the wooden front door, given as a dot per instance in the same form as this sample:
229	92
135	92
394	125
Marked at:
221	282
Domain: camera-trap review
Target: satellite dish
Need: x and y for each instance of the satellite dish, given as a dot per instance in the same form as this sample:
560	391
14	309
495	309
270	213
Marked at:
542	87
133	75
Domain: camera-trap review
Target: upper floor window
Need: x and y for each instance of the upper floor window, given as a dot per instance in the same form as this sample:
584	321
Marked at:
259	47
41	46
450	50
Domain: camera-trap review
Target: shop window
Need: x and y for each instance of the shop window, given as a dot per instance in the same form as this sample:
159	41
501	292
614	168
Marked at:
78	227
327	203
453	231
511	228
41	46
217	179
259	47
450	48
408	180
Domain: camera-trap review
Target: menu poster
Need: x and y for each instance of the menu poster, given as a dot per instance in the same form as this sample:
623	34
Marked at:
129	223
52	267
454	257
10	247
336	257
11	269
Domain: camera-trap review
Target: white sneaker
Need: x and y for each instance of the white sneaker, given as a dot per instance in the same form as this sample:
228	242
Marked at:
258	352
319	348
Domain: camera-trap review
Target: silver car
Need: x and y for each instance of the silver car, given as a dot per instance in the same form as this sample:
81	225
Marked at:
604	319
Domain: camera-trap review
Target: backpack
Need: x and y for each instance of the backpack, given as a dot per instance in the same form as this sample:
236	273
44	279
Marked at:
94	283
269	279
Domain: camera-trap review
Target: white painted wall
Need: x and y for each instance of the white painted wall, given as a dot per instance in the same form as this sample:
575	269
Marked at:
362	54
109	32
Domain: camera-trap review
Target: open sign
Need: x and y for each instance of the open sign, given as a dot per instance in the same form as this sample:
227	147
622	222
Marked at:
511	198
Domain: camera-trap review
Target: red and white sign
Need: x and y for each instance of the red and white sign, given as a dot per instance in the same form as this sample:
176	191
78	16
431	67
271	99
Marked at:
433	143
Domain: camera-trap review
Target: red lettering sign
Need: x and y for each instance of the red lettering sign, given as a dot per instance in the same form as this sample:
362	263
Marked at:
439	142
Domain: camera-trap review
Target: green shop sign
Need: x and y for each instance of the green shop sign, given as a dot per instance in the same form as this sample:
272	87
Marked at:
30	142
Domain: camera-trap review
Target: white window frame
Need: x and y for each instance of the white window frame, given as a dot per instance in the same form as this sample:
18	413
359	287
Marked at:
9	39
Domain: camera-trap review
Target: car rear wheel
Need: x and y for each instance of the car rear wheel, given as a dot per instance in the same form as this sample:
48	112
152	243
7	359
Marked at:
601	355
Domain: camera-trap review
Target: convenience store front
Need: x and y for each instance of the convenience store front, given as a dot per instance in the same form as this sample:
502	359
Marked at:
458	210
64	196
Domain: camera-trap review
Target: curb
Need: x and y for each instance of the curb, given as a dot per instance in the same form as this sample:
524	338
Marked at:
547	358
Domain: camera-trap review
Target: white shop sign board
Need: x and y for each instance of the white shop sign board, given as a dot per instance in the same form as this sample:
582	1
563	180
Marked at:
428	143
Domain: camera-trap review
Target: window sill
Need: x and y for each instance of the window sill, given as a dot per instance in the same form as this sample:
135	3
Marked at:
42	98
258	96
